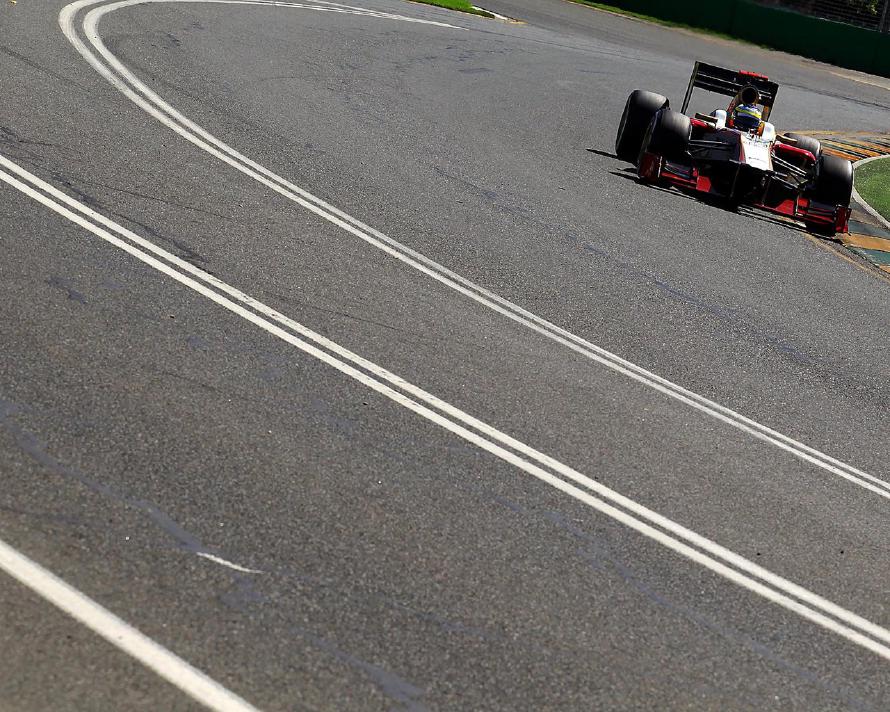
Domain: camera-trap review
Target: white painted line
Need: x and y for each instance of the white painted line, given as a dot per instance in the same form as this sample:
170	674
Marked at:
318	5
651	524
502	18
120	634
135	90
228	564
863	80
859	199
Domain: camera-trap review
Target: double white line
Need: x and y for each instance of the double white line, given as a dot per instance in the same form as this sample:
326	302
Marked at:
647	522
127	83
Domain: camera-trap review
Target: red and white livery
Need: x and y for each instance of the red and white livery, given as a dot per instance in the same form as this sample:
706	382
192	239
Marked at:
743	164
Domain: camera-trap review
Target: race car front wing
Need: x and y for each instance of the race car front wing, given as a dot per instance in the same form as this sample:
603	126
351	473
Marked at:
654	168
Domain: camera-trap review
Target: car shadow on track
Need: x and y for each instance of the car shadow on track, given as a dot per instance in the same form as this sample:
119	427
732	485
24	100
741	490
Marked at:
720	204
605	154
787	223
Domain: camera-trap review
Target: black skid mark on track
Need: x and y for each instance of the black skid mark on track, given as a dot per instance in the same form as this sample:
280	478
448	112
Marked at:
400	691
598	557
67	81
181	249
14	146
162	40
65	284
37	163
197	343
818	91
10	136
243	596
246	595
170	203
29	444
220	107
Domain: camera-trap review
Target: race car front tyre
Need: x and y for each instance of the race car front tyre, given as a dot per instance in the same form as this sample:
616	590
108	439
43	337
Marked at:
834	181
668	135
833	187
641	106
807	143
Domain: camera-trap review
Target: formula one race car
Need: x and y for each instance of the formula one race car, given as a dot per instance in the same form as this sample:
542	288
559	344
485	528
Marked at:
736	154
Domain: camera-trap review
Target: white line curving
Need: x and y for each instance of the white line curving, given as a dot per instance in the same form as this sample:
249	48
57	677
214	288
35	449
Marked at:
658	528
135	90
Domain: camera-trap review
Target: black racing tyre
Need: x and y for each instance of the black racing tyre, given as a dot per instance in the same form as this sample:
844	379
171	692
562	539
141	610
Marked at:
807	143
834	181
641	106
668	135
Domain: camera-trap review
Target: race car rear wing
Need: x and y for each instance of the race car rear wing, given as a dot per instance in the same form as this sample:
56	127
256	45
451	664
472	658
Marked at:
730	82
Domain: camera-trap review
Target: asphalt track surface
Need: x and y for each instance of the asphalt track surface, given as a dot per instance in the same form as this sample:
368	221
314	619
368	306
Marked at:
152	438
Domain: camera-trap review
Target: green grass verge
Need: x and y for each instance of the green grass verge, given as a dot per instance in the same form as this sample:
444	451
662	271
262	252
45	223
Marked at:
873	184
460	5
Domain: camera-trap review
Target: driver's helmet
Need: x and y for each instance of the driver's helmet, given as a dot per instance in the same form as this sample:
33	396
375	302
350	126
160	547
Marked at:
747	117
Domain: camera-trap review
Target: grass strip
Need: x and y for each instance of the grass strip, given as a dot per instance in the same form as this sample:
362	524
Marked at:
459	5
873	184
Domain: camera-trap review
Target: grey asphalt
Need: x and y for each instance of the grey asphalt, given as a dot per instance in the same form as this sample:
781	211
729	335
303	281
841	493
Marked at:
401	568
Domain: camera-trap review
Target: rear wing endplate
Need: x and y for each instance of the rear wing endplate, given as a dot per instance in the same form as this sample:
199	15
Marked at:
730	82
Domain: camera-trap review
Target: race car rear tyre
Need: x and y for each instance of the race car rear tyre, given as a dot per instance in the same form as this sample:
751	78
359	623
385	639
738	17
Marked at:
807	143
834	181
641	106
668	135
